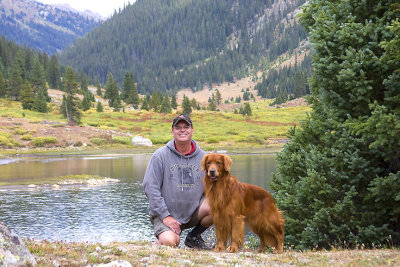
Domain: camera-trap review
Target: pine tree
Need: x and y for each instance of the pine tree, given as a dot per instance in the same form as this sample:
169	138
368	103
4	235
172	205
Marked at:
2	86
37	79
98	88
126	86
133	98
174	104
40	102
54	73
112	93
27	96
15	82
70	106
155	102
99	107
247	109
218	97
212	106
166	104
145	104
86	104
338	178
84	83
186	108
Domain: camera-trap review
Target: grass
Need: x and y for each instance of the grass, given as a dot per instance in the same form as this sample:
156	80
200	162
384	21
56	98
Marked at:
218	130
140	253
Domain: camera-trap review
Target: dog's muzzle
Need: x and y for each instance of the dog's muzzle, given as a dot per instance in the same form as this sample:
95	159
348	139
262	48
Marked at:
212	175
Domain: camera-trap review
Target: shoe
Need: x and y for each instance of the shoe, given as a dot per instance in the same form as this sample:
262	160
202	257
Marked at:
196	242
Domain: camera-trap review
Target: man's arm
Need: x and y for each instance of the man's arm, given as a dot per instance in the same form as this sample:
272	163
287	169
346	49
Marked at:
152	184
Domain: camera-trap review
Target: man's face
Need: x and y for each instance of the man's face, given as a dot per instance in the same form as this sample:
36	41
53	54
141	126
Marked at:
182	132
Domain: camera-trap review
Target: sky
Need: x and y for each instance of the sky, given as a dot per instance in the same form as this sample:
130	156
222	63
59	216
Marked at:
103	7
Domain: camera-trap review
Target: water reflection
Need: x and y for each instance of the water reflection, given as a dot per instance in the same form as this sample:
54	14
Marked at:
115	212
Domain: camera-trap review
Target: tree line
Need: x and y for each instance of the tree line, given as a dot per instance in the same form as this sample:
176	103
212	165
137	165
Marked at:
176	44
26	75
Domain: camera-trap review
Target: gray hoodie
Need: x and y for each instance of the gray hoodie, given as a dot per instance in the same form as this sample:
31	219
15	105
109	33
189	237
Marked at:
173	182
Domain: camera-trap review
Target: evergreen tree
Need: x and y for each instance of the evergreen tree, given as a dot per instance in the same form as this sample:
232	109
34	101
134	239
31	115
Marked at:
126	86
112	93
218	97
86	104
99	107
54	73
15	82
84	83
186	107
70	106
212	106
98	88
40	102
129	91
145	104
246	109
27	96
38	80
155	102
2	86
174	104
166	104
338	179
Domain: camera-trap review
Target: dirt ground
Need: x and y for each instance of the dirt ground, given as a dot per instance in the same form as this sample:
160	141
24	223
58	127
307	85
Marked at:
67	135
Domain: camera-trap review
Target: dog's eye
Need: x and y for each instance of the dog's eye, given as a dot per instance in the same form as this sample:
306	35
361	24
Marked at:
208	163
218	163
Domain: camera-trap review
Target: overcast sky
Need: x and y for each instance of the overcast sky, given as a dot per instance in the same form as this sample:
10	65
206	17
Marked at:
103	7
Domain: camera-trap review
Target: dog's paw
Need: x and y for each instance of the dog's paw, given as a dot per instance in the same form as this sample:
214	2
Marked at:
232	249
219	249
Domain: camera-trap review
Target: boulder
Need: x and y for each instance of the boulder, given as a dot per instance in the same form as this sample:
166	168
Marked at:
141	141
13	251
118	263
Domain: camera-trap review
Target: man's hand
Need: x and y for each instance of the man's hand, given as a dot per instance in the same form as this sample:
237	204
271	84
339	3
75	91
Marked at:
173	224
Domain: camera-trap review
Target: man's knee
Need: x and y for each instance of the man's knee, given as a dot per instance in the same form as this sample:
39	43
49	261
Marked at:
169	238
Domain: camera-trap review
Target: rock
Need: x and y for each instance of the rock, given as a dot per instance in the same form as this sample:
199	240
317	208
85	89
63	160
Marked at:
141	141
118	263
13	251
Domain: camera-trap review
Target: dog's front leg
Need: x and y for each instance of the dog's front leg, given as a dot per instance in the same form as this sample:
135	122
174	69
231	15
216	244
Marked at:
237	233
222	237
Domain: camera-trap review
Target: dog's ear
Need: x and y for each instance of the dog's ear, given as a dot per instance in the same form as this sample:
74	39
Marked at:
203	163
227	163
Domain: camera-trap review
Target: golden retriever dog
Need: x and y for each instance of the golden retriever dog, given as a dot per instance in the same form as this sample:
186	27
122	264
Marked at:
234	204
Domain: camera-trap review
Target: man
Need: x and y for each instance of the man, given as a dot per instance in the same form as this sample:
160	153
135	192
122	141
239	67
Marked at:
173	185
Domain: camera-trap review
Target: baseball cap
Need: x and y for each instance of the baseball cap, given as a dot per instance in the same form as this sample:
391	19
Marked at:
180	118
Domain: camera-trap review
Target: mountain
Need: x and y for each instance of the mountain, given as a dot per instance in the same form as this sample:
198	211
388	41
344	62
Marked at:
174	44
86	13
42	27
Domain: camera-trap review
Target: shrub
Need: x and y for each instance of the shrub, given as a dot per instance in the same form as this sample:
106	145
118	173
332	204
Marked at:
26	137
4	141
212	140
98	141
121	140
159	140
41	141
20	131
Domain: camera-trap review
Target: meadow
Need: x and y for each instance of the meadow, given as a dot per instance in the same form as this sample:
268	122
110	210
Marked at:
266	128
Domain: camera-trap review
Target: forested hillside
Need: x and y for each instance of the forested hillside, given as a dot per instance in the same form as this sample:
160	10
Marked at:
174	44
40	26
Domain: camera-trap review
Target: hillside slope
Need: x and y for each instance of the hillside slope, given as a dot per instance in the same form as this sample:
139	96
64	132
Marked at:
175	44
40	26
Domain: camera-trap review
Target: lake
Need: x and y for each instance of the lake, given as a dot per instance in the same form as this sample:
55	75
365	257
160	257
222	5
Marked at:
103	213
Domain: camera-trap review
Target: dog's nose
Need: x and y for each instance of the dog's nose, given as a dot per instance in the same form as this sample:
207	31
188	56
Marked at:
212	172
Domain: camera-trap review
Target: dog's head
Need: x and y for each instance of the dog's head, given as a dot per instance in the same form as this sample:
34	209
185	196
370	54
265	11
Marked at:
216	165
